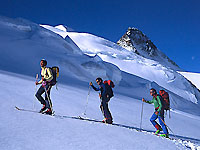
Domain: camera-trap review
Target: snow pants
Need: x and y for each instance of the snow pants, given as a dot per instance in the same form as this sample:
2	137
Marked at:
47	100
104	108
156	125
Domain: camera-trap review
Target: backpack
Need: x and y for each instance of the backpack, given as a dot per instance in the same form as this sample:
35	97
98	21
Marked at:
165	99
109	85
55	74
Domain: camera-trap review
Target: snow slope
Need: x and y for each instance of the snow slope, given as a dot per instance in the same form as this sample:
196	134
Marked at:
24	44
132	63
26	130
193	77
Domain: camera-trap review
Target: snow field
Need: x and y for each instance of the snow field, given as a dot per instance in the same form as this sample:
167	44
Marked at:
47	132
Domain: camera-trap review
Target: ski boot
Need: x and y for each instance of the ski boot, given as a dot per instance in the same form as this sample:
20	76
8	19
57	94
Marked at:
165	135
107	120
48	112
43	109
158	131
104	120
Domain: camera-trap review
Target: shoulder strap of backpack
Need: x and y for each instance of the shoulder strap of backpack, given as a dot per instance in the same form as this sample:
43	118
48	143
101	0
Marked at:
46	71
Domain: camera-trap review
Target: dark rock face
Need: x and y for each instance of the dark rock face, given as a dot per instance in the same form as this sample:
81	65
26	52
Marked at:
134	40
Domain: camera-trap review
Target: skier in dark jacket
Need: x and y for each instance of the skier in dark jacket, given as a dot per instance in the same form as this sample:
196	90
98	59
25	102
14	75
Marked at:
159	113
45	88
104	100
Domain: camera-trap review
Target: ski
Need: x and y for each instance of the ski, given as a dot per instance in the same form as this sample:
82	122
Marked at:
21	109
33	111
118	125
99	121
89	119
79	118
170	138
85	119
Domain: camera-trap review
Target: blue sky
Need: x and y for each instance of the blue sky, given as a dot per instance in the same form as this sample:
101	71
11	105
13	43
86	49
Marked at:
173	25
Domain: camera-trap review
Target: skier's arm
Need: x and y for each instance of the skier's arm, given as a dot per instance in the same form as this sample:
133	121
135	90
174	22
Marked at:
50	76
96	89
160	104
150	102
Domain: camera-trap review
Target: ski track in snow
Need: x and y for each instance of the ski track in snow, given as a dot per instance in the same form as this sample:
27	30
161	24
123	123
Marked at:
18	122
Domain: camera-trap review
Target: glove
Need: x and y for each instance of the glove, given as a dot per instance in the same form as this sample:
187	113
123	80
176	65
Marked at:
91	83
143	100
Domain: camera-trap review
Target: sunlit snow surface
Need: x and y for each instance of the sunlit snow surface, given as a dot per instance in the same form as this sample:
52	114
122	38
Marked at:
132	63
26	130
24	44
193	77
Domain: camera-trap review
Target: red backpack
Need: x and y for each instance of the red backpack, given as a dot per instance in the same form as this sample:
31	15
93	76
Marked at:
109	85
165	99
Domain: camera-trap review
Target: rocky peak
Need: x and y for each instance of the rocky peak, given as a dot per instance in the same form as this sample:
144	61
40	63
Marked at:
134	40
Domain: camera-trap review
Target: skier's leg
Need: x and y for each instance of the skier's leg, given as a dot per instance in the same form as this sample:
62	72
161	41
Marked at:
155	124
47	97
101	108
39	95
161	119
106	111
109	116
48	100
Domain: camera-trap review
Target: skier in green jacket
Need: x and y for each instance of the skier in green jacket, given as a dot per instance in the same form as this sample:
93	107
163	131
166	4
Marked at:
159	113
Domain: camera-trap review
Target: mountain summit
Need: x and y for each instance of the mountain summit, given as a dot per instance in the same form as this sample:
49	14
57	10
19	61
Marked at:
134	40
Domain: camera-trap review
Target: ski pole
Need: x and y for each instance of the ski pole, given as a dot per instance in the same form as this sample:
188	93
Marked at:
87	101
36	78
141	116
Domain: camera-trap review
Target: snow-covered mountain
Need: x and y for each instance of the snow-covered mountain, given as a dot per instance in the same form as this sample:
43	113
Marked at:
132	63
82	57
34	42
136	41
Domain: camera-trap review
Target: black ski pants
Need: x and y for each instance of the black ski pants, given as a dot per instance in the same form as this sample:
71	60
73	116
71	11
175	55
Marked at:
47	100
104	108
